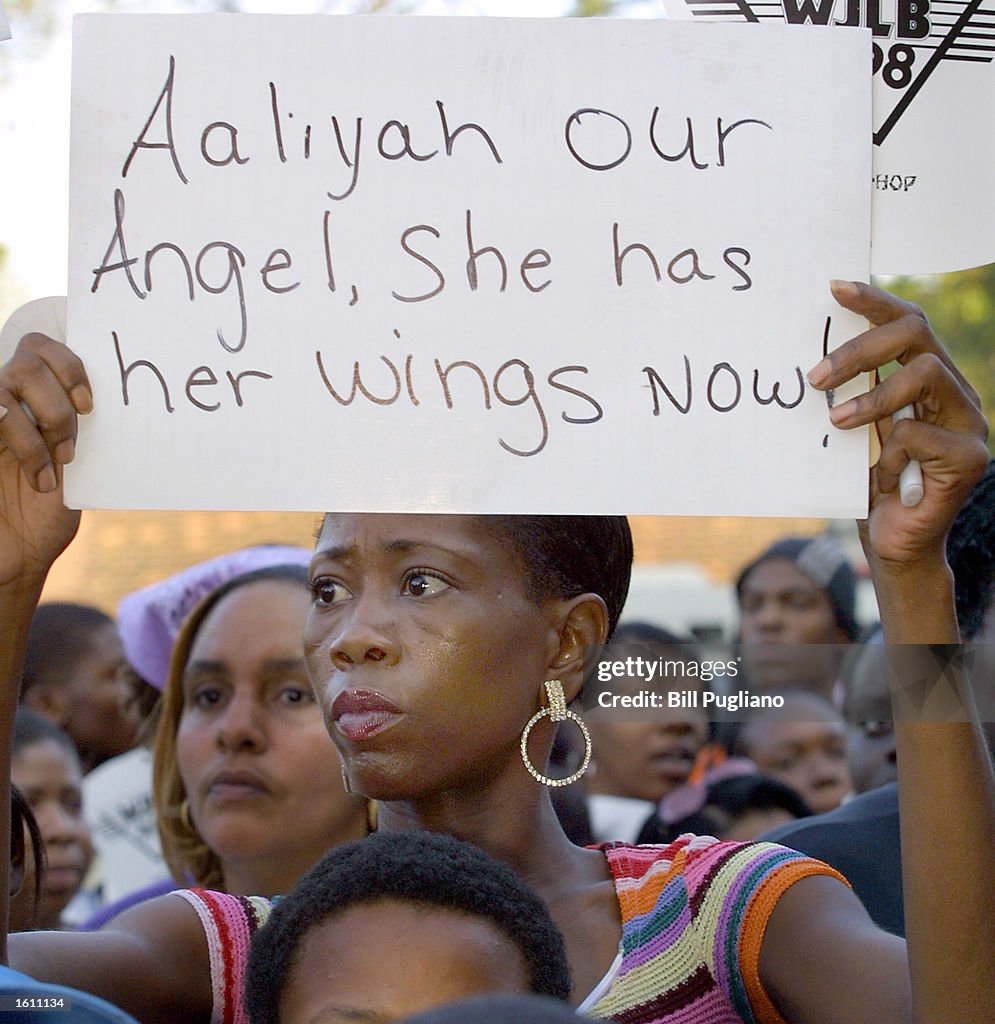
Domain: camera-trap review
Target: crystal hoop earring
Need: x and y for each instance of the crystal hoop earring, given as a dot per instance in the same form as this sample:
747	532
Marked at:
557	712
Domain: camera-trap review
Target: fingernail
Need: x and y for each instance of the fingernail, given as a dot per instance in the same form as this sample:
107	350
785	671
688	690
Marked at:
65	452
819	374
843	289
3	411
841	413
80	397
47	481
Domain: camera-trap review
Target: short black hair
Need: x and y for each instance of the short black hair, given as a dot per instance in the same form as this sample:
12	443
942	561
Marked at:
430	869
32	727
731	798
971	554
565	556
639	632
61	633
744	793
653	640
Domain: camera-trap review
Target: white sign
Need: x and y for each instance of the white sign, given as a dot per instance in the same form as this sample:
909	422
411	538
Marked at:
567	266
933	66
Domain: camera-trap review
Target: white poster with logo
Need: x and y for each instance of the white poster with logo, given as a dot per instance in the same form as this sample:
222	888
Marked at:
933	69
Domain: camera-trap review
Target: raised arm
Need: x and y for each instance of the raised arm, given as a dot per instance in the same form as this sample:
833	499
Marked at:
906	546
946	786
34	525
154	962
151	961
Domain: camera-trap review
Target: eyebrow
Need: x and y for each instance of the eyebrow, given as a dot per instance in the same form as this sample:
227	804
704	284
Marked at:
401	546
205	666
283	664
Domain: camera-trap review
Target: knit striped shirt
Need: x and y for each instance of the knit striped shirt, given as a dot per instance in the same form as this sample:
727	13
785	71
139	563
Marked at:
693	918
229	922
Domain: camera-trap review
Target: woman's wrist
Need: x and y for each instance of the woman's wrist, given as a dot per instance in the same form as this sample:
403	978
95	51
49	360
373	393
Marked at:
916	601
23	590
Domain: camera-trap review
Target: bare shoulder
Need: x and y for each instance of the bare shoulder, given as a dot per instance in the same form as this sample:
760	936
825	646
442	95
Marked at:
824	960
152	961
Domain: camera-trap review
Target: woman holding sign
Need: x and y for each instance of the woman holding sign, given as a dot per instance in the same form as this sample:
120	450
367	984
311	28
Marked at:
442	649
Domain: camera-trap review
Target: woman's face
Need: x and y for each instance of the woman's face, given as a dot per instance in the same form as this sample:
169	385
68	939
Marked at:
102	717
425	653
645	753
809	756
49	777
645	760
788	628
261	775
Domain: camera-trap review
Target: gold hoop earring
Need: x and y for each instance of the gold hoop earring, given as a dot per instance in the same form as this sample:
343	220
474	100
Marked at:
557	712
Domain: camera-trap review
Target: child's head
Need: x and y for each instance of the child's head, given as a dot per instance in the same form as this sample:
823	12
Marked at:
46	769
397	923
802	743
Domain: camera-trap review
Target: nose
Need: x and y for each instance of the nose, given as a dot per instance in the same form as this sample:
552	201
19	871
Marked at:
364	635
57	825
767	618
241	726
828	773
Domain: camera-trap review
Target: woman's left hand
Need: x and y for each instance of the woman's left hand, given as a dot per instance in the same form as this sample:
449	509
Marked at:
947	436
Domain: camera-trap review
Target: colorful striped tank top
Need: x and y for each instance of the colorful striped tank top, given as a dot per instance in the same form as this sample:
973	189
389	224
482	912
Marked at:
693	917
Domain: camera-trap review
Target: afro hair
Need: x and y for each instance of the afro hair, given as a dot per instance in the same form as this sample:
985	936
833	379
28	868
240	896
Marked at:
423	868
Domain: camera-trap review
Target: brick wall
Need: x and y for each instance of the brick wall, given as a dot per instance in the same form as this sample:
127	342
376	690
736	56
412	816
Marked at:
721	546
116	552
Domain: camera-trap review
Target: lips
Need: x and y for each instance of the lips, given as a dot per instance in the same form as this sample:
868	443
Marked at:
361	714
674	766
235	783
62	878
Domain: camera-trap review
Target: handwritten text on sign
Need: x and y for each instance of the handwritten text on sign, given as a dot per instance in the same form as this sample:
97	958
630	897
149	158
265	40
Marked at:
464	265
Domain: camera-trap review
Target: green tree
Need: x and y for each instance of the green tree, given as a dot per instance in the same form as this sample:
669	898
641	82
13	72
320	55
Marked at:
961	308
592	8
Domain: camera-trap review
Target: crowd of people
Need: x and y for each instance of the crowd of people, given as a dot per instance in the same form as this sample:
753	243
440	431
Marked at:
324	784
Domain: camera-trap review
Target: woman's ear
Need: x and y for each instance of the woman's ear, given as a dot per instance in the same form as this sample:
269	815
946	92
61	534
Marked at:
582	634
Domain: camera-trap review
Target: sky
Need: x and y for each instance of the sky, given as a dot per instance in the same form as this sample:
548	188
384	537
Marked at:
34	131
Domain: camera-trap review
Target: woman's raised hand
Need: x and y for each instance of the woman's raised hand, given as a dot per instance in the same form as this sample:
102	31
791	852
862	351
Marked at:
947	436
45	377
